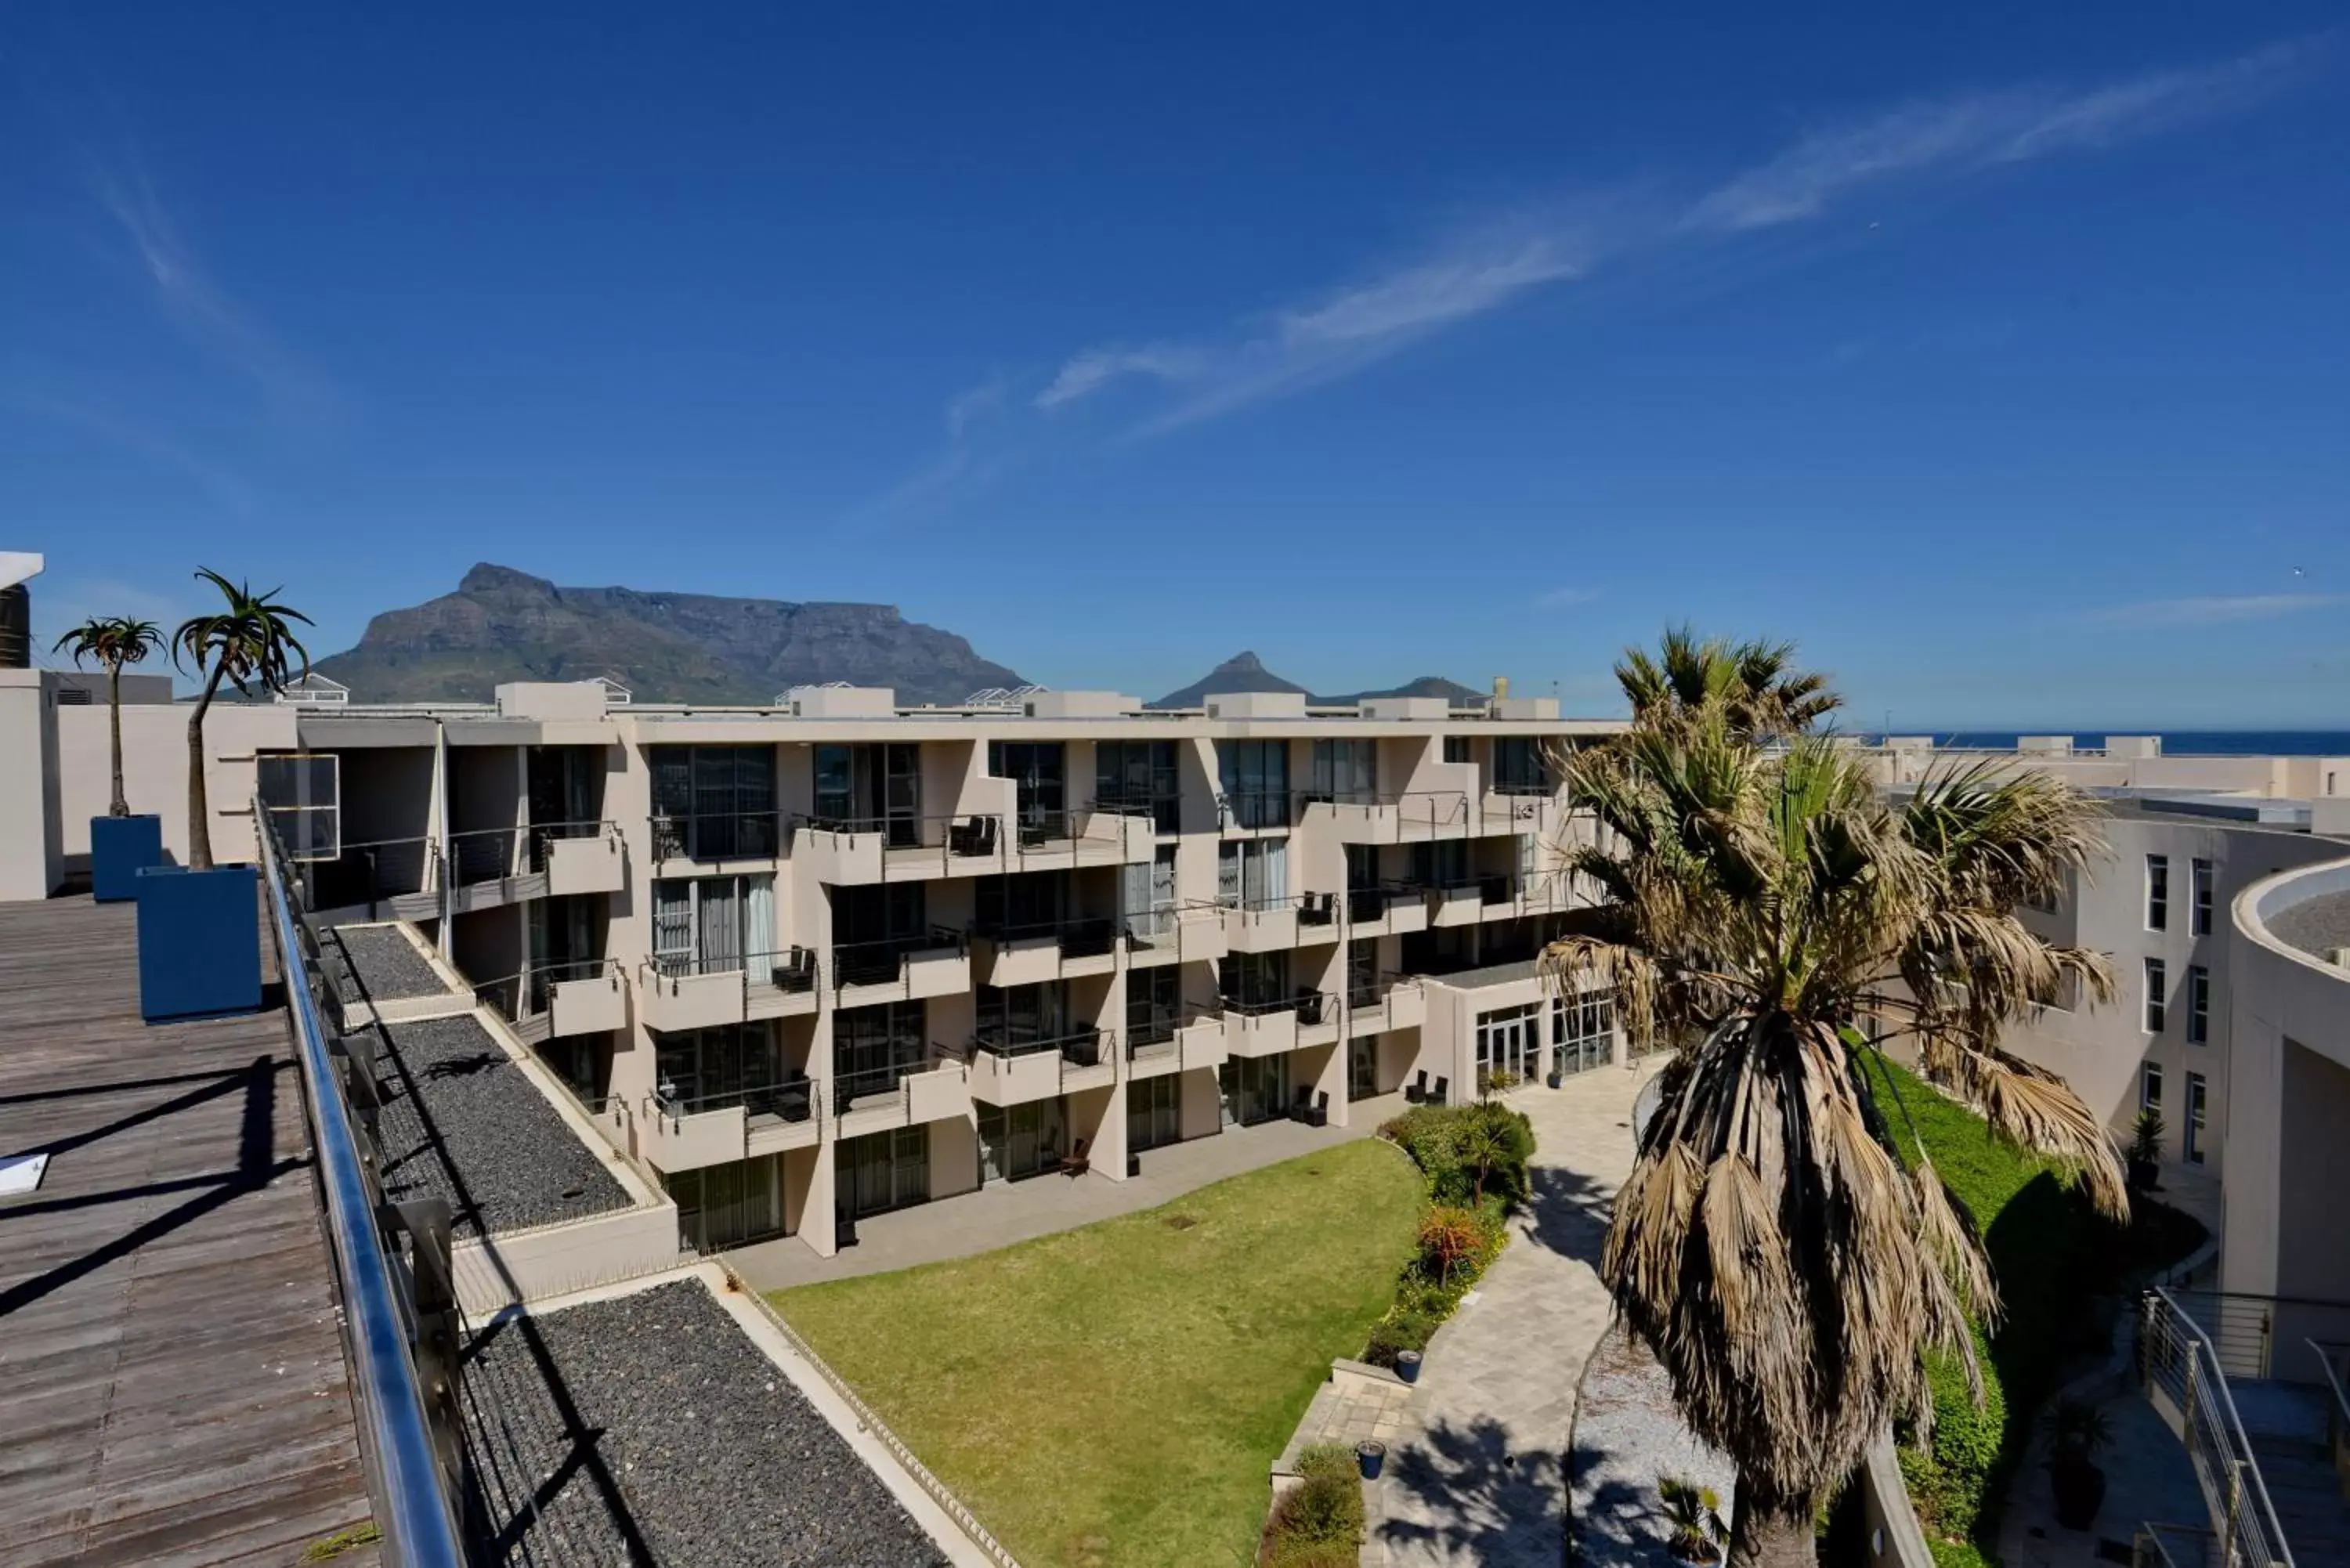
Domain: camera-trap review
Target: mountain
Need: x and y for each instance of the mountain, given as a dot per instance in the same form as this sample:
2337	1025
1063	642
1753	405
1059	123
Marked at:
1452	691
506	625
1246	672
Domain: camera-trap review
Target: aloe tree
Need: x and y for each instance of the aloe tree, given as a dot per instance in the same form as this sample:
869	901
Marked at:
113	641
1788	1274
250	643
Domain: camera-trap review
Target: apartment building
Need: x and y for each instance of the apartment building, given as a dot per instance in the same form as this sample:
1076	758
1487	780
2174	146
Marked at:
817	962
2220	904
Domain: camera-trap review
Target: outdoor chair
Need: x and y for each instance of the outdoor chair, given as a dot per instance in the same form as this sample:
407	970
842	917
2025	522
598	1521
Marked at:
1075	1162
1416	1092
1442	1094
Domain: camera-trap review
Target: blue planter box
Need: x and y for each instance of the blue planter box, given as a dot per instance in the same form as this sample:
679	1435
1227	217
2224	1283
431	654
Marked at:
199	942
120	848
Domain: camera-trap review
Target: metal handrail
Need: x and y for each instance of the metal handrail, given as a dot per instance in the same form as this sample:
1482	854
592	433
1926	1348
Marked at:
2341	1411
678	836
2179	1358
883	961
416	1513
756	1100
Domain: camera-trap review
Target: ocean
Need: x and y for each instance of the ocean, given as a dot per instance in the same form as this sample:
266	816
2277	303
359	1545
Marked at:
2175	743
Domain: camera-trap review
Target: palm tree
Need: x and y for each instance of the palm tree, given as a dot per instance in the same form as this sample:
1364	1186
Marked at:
251	643
114	642
1754	682
1785	1272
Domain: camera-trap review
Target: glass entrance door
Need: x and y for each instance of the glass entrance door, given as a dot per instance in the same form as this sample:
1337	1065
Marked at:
1020	1140
1362	1067
1509	1042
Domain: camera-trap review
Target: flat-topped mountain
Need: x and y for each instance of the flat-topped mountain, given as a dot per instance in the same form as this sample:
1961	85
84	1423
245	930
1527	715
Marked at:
506	625
1245	671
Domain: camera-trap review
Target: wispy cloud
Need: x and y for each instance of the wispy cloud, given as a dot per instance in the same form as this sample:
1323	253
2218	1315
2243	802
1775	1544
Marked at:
189	294
1975	131
2218	609
1336	333
1559	599
1146	384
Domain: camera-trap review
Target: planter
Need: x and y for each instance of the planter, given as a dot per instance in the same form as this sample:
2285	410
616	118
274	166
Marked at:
1133	1166
2080	1489
1370	1457
1556	1079
120	848
2143	1175
1408	1365
844	1232
199	942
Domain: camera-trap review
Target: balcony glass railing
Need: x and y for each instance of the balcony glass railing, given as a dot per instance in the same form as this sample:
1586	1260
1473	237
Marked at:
883	962
543	834
869	1083
719	836
791	1101
1085	1047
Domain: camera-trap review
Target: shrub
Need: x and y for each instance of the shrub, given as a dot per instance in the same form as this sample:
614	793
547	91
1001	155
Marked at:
1402	1329
1318	1522
1467	1153
1949	1475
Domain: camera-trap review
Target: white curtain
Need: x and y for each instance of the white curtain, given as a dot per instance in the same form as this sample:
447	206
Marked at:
759	929
1276	872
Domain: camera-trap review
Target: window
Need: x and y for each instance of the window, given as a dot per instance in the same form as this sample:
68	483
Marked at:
706	925
1154	1112
1581	1031
713	803
2154	997
2197	1095
303	794
867	789
2150	1087
2157	892
873	1048
2200	922
1042	800
1519	767
882	1170
2199	1005
722	1206
1154	1005
1255	776
1140	775
1344	770
1456	748
1509	1045
1252	873
1441	864
1254	979
1016	1015
710	1069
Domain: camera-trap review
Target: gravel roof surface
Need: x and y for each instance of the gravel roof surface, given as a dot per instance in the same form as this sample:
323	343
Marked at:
461	1122
2316	927
648	1429
376	963
1627	1436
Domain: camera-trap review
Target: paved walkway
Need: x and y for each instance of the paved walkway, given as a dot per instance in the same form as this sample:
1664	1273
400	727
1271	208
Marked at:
1484	1482
998	1216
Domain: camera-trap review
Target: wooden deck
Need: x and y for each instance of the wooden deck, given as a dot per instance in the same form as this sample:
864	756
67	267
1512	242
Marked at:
172	1385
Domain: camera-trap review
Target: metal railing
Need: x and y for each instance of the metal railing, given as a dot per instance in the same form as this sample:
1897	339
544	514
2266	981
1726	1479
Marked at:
1078	937
2248	1331
847	1088
391	1262
1250	810
918	839
790	968
884	962
2333	1365
1087	1047
2176	1546
369	874
484	854
719	834
543	834
2178	1360
795	1100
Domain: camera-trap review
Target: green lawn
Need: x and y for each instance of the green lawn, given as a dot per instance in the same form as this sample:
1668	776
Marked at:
1113	1394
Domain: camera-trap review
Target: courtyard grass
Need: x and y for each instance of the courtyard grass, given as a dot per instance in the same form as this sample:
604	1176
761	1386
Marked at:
1113	1397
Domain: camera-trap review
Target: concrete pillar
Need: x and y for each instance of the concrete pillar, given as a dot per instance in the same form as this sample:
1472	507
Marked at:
31	838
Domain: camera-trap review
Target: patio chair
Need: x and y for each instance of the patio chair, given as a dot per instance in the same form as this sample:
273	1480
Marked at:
1416	1092
1075	1162
1318	1114
1442	1094
1302	1108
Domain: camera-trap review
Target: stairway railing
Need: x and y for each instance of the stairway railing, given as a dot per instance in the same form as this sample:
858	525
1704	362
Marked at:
2181	1368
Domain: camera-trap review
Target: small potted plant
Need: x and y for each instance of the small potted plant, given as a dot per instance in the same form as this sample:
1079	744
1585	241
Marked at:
119	843
2146	1151
1692	1519
2077	1433
1370	1455
199	928
1408	1365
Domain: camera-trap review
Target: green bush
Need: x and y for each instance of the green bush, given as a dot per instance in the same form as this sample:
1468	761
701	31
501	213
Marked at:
1402	1329
1949	1475
1467	1153
1318	1522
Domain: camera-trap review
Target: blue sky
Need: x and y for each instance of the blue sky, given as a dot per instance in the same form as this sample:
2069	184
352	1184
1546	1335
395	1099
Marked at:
1994	355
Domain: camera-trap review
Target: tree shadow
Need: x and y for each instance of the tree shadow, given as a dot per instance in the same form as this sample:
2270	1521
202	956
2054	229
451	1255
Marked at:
1568	1214
1482	1503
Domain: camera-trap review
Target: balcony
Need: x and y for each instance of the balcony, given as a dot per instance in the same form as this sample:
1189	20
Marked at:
1516	898
1461	903
718	1129
879	1098
1390	909
389	879
1190	1043
1270	1028
483	869
1180	933
1391	1001
1519	805
589	997
936	962
1050	950
1268	925
1317	1020
579	856
1242	812
679	992
855	852
1091	836
1007	1070
714	838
